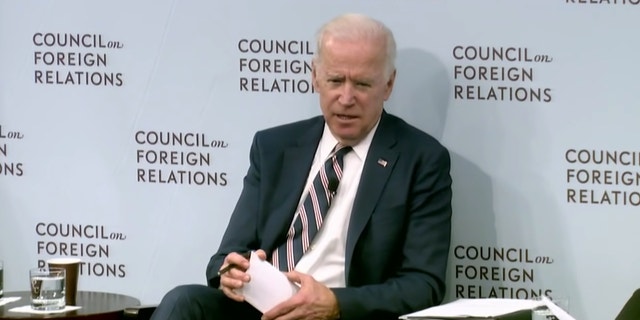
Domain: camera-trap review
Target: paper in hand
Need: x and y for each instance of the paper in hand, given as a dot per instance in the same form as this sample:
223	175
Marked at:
268	286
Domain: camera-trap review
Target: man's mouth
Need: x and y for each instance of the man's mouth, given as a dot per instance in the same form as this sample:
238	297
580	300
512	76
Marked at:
345	117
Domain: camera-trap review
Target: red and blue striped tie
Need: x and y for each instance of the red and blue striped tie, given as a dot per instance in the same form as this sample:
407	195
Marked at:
311	212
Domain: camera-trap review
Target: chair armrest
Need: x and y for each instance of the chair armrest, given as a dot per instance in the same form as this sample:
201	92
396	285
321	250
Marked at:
142	312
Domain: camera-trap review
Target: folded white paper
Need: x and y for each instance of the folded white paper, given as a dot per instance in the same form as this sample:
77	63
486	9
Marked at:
268	286
6	300
482	308
28	309
557	311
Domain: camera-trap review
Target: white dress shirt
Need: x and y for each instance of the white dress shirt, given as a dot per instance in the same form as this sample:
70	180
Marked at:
325	259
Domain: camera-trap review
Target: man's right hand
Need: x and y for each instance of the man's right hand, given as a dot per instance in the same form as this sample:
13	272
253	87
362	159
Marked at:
236	277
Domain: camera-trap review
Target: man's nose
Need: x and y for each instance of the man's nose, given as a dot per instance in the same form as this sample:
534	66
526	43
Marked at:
347	96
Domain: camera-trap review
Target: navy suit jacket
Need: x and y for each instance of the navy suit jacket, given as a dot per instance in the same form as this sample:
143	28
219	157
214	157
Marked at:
399	231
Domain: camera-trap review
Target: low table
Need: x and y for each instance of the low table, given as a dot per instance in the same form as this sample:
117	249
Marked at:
95	306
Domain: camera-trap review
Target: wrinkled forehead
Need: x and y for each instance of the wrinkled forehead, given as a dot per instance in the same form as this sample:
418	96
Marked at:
368	38
365	39
353	50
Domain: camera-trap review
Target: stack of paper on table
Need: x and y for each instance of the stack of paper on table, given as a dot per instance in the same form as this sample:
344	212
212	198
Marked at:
492	308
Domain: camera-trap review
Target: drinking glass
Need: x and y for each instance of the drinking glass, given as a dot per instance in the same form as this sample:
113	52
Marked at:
47	288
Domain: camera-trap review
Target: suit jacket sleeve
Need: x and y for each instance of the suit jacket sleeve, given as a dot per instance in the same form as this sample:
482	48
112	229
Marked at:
279	161
242	231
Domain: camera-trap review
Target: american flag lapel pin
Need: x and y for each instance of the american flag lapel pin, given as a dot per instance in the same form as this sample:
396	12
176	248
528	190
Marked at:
382	162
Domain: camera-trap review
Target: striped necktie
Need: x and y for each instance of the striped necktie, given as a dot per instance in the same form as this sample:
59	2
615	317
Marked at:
311	212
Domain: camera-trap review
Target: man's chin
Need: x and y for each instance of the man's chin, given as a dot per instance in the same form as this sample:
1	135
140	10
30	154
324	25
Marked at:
345	133
348	139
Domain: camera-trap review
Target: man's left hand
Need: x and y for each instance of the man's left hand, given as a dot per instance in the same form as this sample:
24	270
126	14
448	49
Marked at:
314	301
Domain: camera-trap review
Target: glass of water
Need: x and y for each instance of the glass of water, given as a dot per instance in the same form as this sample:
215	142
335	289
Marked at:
47	288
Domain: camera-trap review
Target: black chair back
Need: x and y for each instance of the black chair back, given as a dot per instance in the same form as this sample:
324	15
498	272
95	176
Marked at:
631	309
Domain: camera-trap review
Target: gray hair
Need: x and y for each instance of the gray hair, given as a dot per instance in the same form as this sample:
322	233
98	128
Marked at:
357	26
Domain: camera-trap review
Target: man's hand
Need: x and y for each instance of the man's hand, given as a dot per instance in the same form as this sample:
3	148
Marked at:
236	277
314	301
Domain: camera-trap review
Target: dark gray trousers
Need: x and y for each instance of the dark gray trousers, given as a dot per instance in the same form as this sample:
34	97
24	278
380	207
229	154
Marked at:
199	302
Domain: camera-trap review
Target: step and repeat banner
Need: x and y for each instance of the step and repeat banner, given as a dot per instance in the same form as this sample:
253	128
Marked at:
125	129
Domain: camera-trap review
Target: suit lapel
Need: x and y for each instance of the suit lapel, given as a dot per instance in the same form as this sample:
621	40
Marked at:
296	163
379	164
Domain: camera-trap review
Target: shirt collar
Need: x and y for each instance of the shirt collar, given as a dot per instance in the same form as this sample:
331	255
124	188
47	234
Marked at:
328	142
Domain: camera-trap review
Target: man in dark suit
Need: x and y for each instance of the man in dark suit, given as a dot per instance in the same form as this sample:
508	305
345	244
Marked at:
381	249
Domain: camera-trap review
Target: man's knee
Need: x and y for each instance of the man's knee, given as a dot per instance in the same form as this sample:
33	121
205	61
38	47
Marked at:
186	302
202	302
186	294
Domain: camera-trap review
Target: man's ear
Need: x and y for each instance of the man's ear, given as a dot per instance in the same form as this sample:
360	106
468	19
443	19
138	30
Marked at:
389	85
314	75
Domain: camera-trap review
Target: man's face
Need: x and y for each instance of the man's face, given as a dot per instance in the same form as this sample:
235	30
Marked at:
351	81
